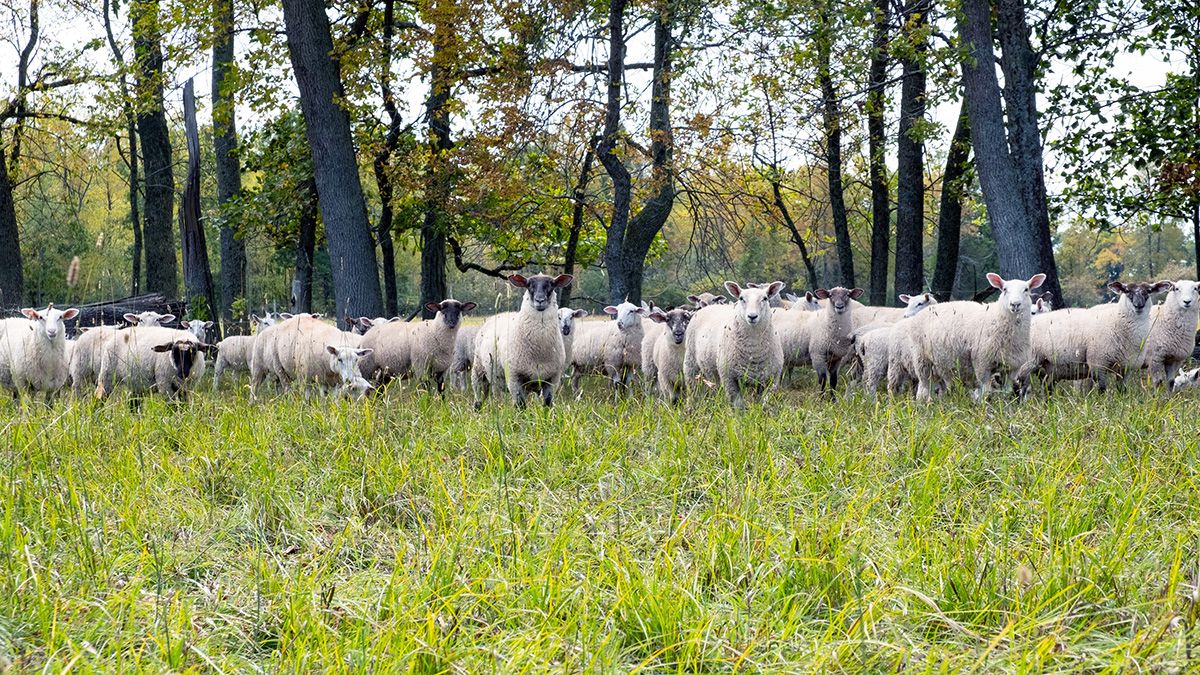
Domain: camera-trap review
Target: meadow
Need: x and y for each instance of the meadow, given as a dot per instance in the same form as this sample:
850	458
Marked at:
408	533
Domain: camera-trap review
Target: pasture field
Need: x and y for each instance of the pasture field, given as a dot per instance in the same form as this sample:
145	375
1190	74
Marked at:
408	533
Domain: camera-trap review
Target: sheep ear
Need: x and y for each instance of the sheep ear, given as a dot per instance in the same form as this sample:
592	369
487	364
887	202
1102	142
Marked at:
579	313
163	348
468	306
331	349
641	311
208	324
364	352
364	322
1037	280
610	310
185	323
928	297
433	306
856	293
518	280
733	289
1117	287
255	318
286	315
31	314
693	298
1162	286
658	317
905	297
70	313
720	300
822	294
775	288
130	317
995	280
563	280
808	296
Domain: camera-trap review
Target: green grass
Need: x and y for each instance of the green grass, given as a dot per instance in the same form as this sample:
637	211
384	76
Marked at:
408	533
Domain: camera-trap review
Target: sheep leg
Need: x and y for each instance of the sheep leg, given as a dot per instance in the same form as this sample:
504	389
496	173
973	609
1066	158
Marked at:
548	394
439	379
516	387
478	382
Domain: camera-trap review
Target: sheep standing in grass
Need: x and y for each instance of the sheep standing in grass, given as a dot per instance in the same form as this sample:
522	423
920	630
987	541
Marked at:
873	349
464	354
1172	334
391	343
666	354
736	345
88	350
566	325
234	352
522	351
969	339
830	331
33	356
1095	343
145	358
432	342
306	351
610	347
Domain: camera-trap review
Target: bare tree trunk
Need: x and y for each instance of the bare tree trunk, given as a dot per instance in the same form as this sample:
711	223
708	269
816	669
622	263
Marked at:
229	174
880	197
781	204
950	209
306	247
335	166
159	239
832	121
622	188
435	225
910	165
579	205
382	165
12	280
135	219
197	274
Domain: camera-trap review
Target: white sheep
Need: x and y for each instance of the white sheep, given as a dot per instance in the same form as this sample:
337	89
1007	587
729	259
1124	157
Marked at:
705	299
151	357
432	342
1172	336
873	349
865	315
198	328
522	350
666	355
1043	304
33	351
464	354
297	351
736	345
88	351
566	325
969	339
1093	343
807	303
234	352
830	333
1186	379
392	355
613	348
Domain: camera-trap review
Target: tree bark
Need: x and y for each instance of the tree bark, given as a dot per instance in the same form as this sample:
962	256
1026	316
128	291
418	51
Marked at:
781	204
622	186
880	196
579	204
910	163
1024	130
158	236
832	121
306	246
382	166
950	210
434	226
135	221
197	274
12	280
229	175
335	167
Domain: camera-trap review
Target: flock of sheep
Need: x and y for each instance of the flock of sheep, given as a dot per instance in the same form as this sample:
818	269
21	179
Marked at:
743	344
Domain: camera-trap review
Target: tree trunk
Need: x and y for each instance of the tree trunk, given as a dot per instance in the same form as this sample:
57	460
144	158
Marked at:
435	226
382	165
1017	241
777	191
910	163
950	209
135	221
579	195
229	175
12	281
306	246
1196	233
832	121
335	167
197	274
159	237
622	186
880	197
1024	131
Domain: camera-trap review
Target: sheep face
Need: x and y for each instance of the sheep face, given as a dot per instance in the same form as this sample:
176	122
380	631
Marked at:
539	289
1014	293
265	321
343	361
806	304
839	297
356	388
705	299
916	303
362	324
198	328
450	311
1184	294
628	314
753	303
148	319
677	321
1186	379
48	323
1138	295
566	319
1043	304
183	355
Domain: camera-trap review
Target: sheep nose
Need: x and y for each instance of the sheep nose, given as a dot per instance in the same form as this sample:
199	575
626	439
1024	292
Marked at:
752	317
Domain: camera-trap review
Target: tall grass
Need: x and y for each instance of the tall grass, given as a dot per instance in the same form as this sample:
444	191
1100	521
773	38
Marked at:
410	533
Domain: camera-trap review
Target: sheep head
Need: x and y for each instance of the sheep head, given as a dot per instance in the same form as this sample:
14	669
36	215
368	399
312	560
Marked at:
48	323
539	289
1014	293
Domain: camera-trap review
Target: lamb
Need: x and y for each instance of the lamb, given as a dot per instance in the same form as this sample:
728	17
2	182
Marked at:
830	330
967	338
666	354
33	351
705	299
143	358
736	345
522	350
566	325
307	351
233	353
611	347
432	342
1172	332
88	351
1094	343
1043	304
464	353
873	350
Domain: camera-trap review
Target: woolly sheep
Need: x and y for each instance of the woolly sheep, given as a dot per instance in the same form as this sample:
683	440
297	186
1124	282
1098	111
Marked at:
873	349
392	355
297	350
610	347
522	350
970	339
736	345
705	299
88	351
566	326
868	314
432	342
665	363
1093	343
143	358
464	353
198	328
1043	304
234	352
1172	334
33	351
830	331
